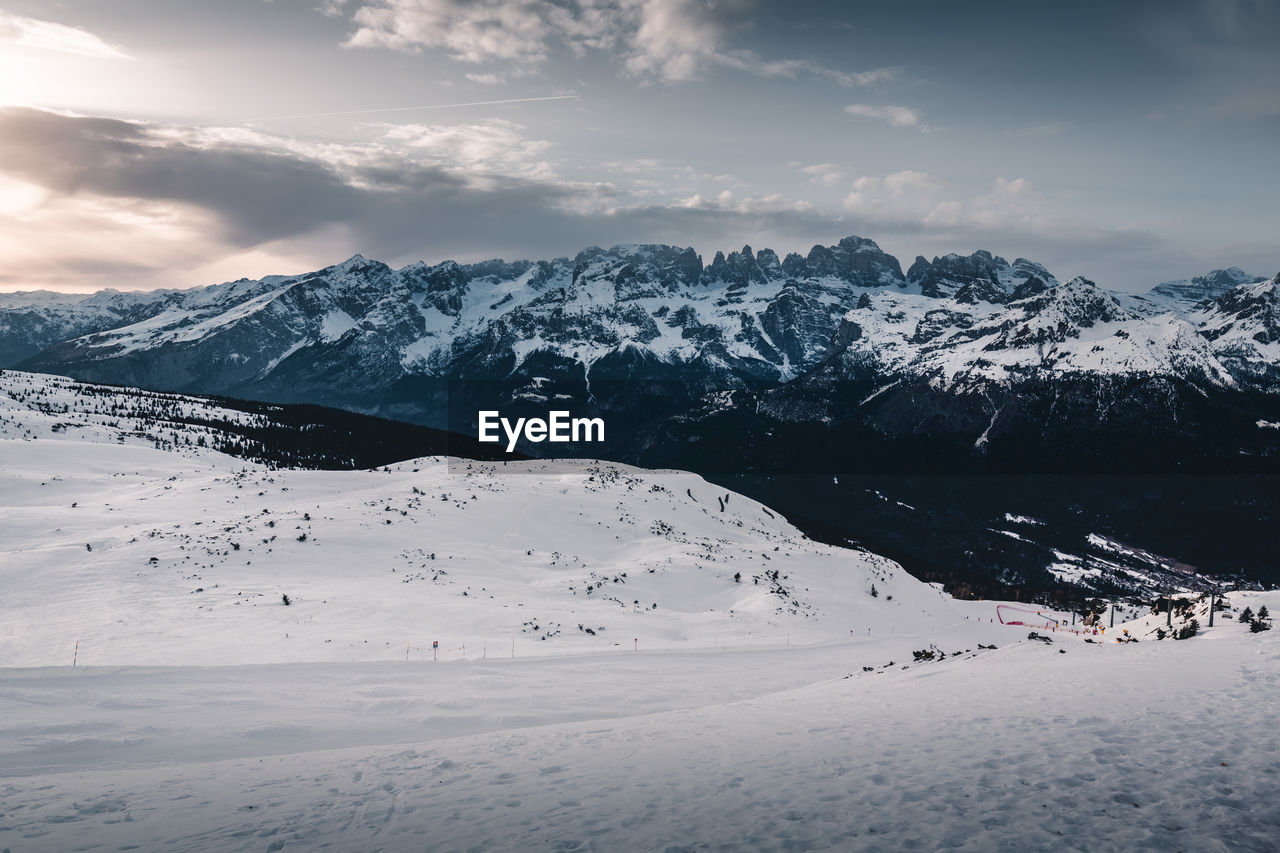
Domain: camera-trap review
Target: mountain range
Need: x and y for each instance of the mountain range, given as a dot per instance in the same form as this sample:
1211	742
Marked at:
943	348
901	411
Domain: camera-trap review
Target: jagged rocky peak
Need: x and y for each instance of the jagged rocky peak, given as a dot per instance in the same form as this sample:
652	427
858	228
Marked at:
1203	288
644	270
1074	305
856	260
794	265
352	285
1243	326
769	263
1022	270
737	270
356	266
1252	309
980	277
981	290
1033	285
499	270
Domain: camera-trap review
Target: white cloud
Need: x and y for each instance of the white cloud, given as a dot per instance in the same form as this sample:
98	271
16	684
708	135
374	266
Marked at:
745	60
822	174
1012	204
667	40
909	180
908	194
87	202
494	146
46	35
894	115
473	31
673	39
729	201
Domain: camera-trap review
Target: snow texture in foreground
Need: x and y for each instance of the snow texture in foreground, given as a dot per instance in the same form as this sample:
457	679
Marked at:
1150	746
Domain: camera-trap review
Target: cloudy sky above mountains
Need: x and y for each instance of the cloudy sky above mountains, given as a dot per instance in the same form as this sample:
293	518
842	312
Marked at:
149	143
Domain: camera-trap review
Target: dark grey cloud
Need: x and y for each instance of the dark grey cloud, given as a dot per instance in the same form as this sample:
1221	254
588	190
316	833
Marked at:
258	195
387	204
390	205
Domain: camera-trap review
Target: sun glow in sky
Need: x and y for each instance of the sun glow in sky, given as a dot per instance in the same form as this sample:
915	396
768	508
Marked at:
147	143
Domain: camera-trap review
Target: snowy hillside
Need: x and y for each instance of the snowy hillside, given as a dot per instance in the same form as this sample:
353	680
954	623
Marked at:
149	556
627	660
1244	327
1184	295
1072	328
34	405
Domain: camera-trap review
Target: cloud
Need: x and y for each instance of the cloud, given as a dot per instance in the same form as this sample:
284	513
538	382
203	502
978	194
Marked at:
1010	204
901	183
745	60
493	146
666	40
822	174
257	194
481	31
673	39
88	202
894	115
46	35
727	200
102	202
913	212
905	195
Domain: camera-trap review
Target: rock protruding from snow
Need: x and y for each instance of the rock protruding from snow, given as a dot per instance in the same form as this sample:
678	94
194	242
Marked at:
1243	328
1185	294
980	277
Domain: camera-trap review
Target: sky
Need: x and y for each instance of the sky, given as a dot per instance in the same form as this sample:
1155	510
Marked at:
174	143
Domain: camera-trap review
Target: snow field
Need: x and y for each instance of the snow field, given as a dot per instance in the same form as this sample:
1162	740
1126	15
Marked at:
1022	748
782	711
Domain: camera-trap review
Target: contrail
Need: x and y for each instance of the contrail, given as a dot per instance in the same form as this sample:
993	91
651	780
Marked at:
409	109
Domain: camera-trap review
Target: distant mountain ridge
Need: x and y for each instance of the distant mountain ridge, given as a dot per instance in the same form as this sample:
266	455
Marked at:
955	335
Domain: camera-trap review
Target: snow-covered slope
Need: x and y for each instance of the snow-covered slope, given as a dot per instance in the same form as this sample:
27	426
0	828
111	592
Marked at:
1184	295
1243	326
184	555
35	320
1064	329
627	660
